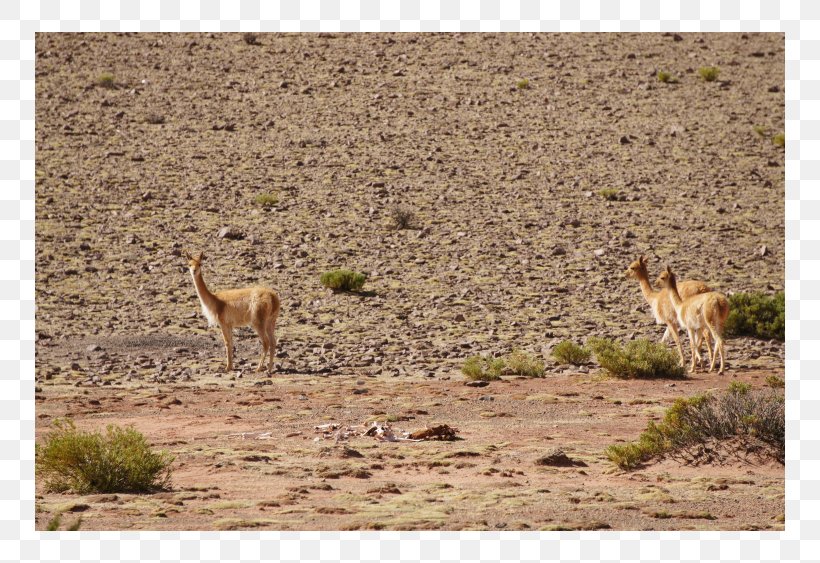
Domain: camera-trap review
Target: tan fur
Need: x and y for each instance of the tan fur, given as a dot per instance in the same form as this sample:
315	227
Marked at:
698	314
661	303
257	307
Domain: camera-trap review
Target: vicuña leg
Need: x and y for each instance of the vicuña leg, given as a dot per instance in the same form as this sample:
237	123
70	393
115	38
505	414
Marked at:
262	331
671	330
693	343
271	344
227	337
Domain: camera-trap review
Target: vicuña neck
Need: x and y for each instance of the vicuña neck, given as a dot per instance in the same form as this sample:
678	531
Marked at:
646	289
208	299
674	295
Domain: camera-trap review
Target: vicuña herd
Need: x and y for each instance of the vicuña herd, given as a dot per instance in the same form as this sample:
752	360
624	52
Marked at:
691	305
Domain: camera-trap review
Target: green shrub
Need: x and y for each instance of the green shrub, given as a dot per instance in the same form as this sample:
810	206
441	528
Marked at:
760	130
54	524
709	73
483	368
640	358
776	382
567	352
779	140
106	80
738	421
119	461
758	315
267	200
665	77
609	194
523	84
522	363
343	280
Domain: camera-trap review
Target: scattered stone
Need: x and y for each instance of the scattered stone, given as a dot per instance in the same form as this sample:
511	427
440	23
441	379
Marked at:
557	458
231	233
476	383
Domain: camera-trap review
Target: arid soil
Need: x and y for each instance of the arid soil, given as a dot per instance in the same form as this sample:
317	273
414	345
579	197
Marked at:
500	144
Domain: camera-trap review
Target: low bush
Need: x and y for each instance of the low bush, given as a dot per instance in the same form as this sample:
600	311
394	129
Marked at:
639	359
522	363
343	280
758	315
267	200
567	352
665	77
118	461
609	194
403	217
779	140
483	368
105	80
737	422
709	73
523	84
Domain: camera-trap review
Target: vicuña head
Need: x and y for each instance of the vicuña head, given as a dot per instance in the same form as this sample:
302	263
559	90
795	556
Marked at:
194	262
637	269
254	306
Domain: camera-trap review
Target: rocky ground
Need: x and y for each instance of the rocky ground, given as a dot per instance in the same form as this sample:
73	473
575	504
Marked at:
500	145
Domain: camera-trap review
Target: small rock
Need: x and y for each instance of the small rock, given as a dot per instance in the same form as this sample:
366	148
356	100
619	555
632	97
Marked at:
459	318
624	140
230	233
599	252
486	398
97	348
764	250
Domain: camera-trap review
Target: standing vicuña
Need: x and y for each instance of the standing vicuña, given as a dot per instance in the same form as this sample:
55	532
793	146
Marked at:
254	306
697	313
661	304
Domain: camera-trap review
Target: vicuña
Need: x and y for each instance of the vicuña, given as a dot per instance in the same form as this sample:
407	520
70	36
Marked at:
699	313
253	306
661	303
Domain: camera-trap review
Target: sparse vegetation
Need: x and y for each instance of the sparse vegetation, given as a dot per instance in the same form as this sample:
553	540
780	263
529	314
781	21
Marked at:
609	194
758	315
91	462
105	80
154	119
267	200
709	73
54	524
640	358
761	131
250	38
343	280
779	140
522	363
776	382
483	368
523	84
704	428
567	352
665	77
403	217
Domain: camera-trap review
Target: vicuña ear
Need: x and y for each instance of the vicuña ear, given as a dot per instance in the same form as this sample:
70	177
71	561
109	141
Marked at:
186	254
668	271
642	259
201	256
